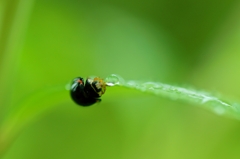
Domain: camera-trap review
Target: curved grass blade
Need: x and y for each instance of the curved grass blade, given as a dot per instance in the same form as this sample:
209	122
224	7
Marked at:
28	110
201	98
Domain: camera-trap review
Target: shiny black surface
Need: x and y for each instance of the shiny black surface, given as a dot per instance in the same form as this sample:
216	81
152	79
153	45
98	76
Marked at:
83	94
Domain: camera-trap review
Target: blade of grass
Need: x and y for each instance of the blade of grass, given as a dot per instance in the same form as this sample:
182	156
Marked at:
201	98
14	17
47	99
2	10
28	111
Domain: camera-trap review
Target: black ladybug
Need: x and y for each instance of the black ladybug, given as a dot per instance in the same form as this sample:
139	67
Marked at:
89	93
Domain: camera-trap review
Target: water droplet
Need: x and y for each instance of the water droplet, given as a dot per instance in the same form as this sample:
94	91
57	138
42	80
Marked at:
219	110
206	99
151	88
68	86
114	79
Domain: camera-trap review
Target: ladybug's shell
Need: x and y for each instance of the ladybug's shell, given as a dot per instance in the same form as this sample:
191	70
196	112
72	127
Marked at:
78	95
88	94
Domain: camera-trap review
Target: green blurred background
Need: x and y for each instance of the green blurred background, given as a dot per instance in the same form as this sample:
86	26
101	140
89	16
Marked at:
46	43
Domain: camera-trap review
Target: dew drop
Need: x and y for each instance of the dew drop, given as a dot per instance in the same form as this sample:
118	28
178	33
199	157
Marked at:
68	86
219	110
206	99
114	80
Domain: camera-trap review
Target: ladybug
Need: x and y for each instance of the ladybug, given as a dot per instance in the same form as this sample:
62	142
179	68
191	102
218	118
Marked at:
88	93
